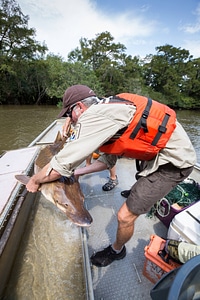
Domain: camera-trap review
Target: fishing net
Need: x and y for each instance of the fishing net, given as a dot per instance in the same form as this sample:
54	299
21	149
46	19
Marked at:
184	194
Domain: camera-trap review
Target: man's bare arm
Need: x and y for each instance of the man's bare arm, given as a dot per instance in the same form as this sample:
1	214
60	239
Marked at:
47	174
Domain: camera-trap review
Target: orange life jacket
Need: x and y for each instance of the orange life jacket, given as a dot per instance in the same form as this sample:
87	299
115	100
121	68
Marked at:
148	132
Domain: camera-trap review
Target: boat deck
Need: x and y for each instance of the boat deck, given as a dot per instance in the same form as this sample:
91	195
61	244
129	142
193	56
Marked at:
122	279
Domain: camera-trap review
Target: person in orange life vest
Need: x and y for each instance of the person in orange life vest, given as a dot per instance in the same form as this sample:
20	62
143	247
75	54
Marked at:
124	125
113	179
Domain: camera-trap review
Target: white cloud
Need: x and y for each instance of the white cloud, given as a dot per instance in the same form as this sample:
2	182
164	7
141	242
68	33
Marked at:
193	46
62	23
194	27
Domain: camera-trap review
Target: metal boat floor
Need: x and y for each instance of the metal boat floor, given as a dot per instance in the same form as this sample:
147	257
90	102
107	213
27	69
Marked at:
122	279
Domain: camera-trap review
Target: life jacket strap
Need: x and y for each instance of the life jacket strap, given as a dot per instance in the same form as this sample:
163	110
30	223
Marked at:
143	120
161	129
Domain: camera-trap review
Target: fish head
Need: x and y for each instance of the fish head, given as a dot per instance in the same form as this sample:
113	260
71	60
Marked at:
66	194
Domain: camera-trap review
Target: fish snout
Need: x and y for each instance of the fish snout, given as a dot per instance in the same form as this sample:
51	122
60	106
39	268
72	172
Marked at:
69	198
77	214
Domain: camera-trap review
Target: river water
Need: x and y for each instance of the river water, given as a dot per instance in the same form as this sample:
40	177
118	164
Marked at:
49	264
45	243
19	125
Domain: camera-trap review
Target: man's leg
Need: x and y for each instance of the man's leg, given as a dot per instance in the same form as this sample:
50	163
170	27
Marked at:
125	231
88	160
143	195
113	173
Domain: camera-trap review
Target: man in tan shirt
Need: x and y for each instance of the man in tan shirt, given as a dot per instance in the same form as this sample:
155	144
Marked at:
95	123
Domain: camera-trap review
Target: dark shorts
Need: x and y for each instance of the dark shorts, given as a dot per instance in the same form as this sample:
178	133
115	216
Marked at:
152	188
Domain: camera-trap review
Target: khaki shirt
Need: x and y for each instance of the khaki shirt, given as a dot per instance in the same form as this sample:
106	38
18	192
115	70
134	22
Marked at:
99	123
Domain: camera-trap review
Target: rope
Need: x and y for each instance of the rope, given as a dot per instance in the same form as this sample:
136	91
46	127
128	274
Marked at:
184	194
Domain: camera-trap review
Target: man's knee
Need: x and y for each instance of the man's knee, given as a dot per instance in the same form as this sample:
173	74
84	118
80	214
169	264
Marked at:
125	216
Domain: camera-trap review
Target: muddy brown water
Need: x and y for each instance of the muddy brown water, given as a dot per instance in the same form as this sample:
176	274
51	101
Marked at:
19	125
49	264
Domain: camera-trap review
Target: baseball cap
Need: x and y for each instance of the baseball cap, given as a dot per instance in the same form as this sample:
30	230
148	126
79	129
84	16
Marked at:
74	94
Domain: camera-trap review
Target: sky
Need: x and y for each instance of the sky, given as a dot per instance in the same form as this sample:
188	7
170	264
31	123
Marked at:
140	25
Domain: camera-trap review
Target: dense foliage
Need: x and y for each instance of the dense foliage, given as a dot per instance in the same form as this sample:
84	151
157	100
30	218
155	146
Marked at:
29	76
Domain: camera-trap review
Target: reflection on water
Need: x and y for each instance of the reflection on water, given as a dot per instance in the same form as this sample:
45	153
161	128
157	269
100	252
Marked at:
49	263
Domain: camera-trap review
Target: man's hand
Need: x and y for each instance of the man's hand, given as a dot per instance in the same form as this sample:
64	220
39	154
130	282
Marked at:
32	186
46	174
66	127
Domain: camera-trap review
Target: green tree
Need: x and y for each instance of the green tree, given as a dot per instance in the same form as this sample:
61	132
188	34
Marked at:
191	80
104	57
95	52
18	52
132	71
166	72
16	39
63	74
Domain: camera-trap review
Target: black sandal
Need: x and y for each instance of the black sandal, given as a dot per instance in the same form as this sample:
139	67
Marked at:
108	186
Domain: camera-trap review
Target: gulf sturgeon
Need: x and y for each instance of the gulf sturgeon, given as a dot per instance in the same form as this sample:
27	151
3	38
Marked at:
65	192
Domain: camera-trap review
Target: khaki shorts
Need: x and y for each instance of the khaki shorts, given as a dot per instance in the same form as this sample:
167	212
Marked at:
150	189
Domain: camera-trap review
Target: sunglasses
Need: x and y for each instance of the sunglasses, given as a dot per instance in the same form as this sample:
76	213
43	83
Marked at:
70	110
